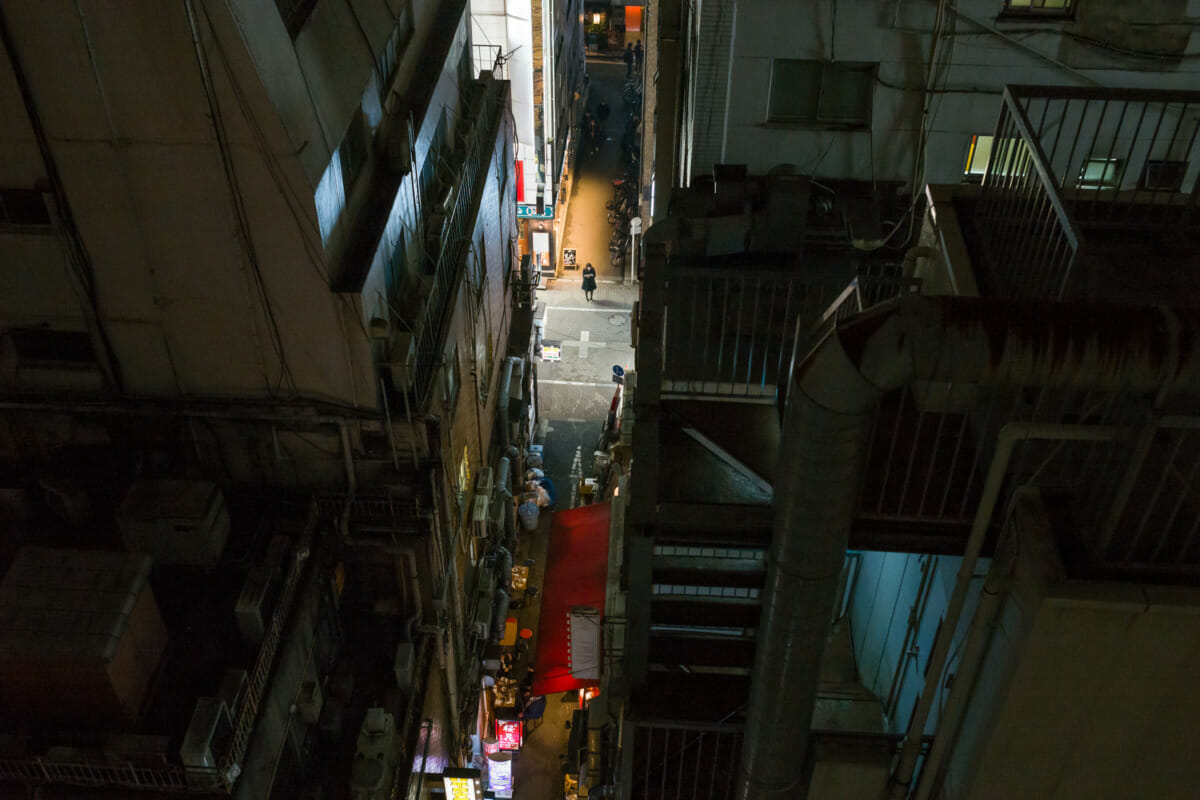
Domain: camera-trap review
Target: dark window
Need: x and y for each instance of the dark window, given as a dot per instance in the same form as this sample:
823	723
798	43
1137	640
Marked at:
55	347
353	150
23	207
386	64
821	94
1039	9
465	67
295	13
1163	176
397	272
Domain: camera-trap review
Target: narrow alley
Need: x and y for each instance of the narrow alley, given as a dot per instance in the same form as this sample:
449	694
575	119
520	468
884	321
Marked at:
582	342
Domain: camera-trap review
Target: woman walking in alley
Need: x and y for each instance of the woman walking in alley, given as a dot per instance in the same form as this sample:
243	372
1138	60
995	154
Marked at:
589	281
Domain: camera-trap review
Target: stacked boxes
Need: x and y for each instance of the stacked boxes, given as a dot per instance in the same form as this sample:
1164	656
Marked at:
80	636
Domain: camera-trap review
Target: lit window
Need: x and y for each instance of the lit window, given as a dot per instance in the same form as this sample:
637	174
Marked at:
1011	158
816	93
1053	9
1100	173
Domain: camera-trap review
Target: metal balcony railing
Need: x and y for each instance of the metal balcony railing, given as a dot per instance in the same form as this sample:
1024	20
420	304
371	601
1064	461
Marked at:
1066	162
450	252
730	334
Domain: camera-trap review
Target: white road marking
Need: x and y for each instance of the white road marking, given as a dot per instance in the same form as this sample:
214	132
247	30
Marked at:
585	341
572	383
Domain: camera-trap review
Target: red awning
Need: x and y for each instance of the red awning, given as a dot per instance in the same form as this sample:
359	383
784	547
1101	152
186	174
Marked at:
576	576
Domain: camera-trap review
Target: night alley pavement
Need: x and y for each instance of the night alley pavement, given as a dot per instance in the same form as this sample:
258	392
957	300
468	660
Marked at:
575	392
587	229
574	395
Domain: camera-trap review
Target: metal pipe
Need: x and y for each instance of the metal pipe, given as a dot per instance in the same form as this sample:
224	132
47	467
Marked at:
828	425
909	268
413	582
506	372
990	600
1006	442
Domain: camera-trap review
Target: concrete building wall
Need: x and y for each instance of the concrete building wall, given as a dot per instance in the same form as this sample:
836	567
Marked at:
1084	689
509	27
1140	44
897	604
201	238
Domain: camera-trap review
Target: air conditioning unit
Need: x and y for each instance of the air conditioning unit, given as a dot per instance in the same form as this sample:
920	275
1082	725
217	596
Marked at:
176	521
253	609
208	735
404	665
403	360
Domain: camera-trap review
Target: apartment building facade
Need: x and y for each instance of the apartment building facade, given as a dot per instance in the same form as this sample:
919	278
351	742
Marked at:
974	543
262	274
538	48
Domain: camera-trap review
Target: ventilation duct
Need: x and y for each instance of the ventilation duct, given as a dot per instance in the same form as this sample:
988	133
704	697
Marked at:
827	428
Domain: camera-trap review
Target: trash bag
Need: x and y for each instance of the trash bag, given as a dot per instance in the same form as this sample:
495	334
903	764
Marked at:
528	513
534	474
543	497
548	485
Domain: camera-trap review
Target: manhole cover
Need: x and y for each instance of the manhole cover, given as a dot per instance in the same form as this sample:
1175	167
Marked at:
617	319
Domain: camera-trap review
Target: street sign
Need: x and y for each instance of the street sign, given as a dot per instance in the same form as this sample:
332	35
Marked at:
527	211
618	374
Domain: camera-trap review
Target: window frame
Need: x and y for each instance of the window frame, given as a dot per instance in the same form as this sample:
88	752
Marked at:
1030	13
24	199
1162	163
1105	180
869	68
389	58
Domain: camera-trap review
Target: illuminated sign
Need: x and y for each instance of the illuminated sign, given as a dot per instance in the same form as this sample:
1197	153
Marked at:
462	784
500	778
508	733
530	212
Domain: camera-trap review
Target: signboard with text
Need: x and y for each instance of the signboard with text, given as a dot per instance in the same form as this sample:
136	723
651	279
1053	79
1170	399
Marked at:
527	211
509	734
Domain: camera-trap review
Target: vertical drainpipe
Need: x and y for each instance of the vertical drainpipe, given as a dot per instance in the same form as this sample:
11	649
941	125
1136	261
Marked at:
827	430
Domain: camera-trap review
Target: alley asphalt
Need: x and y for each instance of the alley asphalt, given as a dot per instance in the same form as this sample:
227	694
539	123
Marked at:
575	392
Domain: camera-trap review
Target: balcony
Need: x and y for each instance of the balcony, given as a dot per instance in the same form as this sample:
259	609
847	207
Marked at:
447	244
1079	184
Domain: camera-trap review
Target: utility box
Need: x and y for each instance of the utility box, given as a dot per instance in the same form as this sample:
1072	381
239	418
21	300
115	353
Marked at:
177	522
404	665
80	636
254	604
208	735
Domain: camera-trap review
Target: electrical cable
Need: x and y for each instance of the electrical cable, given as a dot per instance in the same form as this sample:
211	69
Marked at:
79	261
239	207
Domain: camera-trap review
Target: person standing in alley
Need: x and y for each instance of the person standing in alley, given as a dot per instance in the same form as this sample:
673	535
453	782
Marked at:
589	281
628	60
637	56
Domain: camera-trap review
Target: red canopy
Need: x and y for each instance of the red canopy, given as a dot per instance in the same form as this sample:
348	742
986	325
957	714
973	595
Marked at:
576	575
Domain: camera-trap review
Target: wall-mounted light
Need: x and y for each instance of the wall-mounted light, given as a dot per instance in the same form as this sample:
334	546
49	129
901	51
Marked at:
596	19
